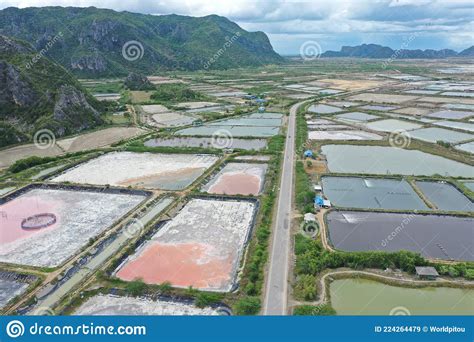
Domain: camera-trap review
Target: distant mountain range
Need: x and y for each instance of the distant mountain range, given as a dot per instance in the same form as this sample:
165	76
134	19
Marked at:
102	42
379	51
36	93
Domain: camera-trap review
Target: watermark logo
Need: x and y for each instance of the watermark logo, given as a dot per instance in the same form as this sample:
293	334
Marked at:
400	311
222	139
398	53
403	224
43	311
133	228
310	50
15	329
229	42
132	50
44	139
44	51
399	139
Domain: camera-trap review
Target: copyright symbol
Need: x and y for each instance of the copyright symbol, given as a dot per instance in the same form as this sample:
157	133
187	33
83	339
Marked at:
425	329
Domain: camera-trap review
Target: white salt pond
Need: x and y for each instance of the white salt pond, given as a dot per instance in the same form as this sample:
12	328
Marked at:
343	135
149	170
391	125
103	305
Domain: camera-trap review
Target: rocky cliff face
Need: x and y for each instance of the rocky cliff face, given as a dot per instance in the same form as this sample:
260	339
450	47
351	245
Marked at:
15	89
378	51
72	107
92	45
36	93
93	63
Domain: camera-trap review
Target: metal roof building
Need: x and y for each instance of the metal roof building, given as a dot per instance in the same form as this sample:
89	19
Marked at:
426	272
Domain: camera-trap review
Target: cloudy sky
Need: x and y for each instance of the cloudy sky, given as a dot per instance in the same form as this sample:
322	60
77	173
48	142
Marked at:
332	23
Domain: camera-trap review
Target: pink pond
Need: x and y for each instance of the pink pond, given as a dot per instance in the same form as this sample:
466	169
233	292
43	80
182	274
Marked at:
15	211
183	265
236	184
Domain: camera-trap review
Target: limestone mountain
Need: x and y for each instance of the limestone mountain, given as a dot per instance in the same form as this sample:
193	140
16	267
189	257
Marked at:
379	51
101	42
36	93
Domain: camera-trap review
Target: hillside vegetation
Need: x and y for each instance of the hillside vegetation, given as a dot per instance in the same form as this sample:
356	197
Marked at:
90	40
36	93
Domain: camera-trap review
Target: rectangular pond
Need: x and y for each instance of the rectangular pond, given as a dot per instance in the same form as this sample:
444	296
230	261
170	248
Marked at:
433	236
445	196
454	124
371	193
467	147
343	135
379	108
238	179
323	109
255	122
355	296
171	119
469	185
200	247
234	131
451	114
252	125
433	134
11	286
391	125
389	160
458	106
149	170
45	226
222	108
100	305
356	117
421	92
206	142
457	94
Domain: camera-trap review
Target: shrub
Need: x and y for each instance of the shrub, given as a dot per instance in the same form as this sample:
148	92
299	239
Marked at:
205	299
247	306
176	92
469	274
26	163
136	287
312	310
312	258
305	288
165	287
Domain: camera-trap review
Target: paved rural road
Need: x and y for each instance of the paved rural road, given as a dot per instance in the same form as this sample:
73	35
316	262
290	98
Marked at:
277	281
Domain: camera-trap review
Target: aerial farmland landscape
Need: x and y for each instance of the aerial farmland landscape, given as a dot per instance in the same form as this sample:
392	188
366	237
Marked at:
162	165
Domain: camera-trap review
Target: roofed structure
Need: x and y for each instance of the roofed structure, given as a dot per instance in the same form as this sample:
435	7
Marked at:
426	272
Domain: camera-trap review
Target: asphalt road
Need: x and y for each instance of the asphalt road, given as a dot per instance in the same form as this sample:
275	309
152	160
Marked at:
276	291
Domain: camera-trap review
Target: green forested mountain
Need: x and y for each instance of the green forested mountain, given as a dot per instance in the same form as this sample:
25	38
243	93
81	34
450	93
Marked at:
379	51
36	93
89	41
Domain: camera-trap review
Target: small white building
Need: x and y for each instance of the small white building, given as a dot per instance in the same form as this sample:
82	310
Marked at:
309	217
326	203
317	187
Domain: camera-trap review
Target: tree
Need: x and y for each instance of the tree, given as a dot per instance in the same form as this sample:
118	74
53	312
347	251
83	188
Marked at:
312	310
305	287
247	306
136	287
205	299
